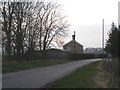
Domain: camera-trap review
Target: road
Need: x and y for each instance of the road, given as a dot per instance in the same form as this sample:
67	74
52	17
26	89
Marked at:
38	77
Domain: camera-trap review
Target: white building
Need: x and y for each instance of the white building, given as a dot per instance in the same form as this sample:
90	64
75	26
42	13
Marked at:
94	51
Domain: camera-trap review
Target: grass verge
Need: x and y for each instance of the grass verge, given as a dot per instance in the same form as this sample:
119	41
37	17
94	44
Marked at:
94	75
23	66
82	78
103	77
0	63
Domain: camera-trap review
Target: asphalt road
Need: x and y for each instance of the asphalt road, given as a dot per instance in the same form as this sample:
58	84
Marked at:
38	77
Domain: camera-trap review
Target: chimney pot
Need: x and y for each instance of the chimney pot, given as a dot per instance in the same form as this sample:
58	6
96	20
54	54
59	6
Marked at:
73	37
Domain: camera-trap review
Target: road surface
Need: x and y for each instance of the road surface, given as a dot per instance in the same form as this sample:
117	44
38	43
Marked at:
39	77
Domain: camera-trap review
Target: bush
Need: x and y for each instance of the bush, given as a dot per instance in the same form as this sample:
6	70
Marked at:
80	56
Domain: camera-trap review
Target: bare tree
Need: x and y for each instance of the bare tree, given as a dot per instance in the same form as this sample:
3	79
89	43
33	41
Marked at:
7	14
28	26
52	24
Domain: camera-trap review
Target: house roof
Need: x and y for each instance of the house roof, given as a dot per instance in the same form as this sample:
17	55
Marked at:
72	41
56	49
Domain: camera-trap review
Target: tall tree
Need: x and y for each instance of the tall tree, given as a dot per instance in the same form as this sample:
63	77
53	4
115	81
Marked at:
52	24
112	42
7	18
28	26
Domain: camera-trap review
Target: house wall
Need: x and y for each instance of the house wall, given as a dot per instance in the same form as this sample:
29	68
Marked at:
73	48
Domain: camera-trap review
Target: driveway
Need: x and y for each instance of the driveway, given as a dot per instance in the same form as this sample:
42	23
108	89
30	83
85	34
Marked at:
39	77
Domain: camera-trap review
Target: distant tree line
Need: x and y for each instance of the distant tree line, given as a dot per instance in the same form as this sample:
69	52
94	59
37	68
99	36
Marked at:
30	26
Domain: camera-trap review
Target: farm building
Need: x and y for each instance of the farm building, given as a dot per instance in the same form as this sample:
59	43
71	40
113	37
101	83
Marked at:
56	54
51	54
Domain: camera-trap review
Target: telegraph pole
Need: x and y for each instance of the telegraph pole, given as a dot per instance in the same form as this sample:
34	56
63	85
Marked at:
102	37
119	15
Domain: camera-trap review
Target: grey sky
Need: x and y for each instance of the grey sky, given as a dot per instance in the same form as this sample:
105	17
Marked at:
88	35
85	17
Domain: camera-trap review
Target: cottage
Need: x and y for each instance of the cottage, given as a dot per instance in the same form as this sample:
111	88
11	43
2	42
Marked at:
73	46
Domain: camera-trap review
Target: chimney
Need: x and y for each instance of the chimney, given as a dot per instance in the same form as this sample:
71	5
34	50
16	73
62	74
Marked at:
73	36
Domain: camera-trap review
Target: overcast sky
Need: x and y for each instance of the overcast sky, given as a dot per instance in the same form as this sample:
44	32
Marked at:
85	17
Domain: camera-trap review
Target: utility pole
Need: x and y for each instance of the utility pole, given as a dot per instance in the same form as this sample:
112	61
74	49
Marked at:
102	37
119	15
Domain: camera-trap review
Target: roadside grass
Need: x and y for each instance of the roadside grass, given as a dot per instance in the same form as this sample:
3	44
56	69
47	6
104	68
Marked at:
94	75
82	78
16	66
0	63
110	70
103	77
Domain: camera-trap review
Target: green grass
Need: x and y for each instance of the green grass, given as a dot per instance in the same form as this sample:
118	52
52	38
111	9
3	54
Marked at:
23	66
82	78
0	62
